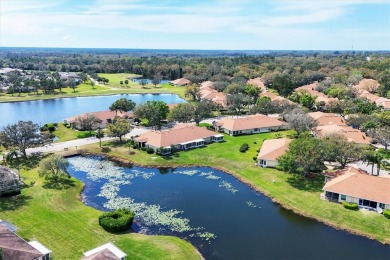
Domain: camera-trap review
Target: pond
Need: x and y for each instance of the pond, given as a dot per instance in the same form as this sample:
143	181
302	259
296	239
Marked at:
149	81
56	110
221	216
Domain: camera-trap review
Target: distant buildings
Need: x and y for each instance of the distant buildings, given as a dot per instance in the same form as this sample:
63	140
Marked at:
106	117
180	82
327	119
320	97
208	92
351	134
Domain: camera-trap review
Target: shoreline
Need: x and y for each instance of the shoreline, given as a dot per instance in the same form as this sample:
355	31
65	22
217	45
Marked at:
93	95
246	182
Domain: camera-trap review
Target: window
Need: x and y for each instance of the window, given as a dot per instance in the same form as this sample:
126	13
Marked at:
343	197
382	206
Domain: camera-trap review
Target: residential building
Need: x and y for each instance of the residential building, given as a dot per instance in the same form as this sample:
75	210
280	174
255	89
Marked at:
14	247
180	82
320	97
259	83
107	252
181	137
207	91
271	150
9	181
327	119
352	135
369	192
106	117
249	125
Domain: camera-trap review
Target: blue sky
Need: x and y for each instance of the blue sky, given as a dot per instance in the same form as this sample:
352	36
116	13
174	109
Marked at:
208	24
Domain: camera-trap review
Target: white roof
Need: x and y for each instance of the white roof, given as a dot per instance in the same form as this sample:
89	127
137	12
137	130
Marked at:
219	135
41	248
110	246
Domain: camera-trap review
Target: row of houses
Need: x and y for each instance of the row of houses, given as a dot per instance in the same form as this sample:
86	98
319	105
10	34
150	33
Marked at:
365	88
13	247
207	91
320	97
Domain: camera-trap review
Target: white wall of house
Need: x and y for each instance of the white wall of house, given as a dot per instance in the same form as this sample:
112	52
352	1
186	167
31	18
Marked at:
267	163
351	199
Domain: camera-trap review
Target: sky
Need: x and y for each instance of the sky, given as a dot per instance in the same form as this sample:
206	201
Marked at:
201	24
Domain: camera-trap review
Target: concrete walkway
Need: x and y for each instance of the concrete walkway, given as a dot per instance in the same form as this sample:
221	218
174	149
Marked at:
76	144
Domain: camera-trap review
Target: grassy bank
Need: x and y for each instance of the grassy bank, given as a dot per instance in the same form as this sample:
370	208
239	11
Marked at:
59	220
295	193
86	89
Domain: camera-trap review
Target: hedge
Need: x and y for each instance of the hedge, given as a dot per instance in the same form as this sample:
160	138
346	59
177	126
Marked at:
351	206
149	150
116	221
386	213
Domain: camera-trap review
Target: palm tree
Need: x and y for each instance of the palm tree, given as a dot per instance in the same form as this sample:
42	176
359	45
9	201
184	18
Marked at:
374	158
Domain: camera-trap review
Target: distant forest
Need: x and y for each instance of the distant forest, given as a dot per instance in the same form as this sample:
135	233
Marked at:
292	68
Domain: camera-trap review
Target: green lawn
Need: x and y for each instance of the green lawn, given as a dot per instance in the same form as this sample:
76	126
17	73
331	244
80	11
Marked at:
66	134
59	220
85	89
297	194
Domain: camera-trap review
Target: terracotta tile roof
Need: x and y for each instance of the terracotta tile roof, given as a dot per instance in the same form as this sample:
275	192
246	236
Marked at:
386	105
181	133
207	92
273	148
352	135
105	254
354	183
333	174
273	96
369	85
311	88
180	82
327	118
102	115
14	247
258	82
249	122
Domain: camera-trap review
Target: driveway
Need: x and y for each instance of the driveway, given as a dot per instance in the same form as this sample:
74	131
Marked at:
75	144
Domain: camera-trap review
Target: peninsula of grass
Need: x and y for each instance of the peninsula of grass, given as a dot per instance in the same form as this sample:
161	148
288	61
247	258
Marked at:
60	221
85	90
291	191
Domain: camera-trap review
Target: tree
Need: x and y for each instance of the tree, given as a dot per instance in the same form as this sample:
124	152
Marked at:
203	110
156	79
119	128
121	82
54	168
143	82
339	149
236	102
126	82
382	135
83	77
283	84
182	113
72	84
153	111
193	92
87	122
300	121
374	158
93	84
252	92
122	105
24	134
304	155
100	135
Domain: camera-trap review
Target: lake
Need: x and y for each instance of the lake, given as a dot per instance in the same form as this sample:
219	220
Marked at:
149	81
56	110
221	216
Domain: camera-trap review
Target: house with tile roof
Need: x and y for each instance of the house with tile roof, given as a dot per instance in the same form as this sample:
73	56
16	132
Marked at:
320	97
106	117
258	83
327	118
180	82
271	150
352	134
207	91
105	252
369	192
180	137
14	247
249	125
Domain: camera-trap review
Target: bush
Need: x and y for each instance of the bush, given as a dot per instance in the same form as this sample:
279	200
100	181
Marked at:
106	149
254	158
149	150
116	221
86	134
51	127
351	206
244	147
386	213
43	128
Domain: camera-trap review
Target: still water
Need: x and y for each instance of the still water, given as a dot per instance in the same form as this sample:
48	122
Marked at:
56	110
221	216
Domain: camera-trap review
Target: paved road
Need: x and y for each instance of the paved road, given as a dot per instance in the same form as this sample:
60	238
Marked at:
75	144
368	168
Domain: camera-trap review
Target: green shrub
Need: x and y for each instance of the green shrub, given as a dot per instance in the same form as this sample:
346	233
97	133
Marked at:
254	158
351	206
244	147
106	149
386	213
51	127
43	128
116	221
86	134
149	150
55	124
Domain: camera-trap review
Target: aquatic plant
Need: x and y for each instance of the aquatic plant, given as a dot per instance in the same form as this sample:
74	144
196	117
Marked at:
228	186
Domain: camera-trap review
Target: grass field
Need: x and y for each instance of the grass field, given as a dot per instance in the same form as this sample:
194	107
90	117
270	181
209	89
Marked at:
66	134
294	192
59	220
85	89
